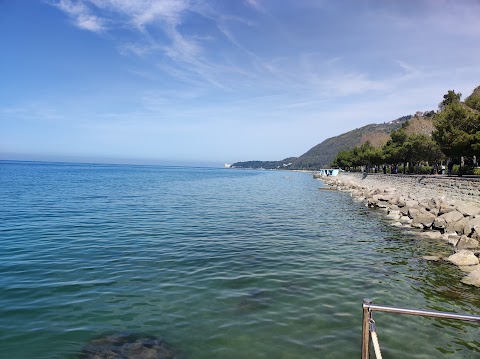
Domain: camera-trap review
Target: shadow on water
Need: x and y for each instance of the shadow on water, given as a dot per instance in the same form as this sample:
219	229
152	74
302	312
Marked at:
128	345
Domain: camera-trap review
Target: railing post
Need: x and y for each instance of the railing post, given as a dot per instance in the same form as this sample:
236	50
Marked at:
366	329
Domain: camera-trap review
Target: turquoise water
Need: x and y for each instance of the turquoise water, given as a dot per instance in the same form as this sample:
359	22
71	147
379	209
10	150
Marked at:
219	263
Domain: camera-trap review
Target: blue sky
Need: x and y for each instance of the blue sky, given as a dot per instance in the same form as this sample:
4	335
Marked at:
185	81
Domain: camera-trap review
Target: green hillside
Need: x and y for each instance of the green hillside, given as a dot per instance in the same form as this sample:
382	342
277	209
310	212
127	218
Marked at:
324	153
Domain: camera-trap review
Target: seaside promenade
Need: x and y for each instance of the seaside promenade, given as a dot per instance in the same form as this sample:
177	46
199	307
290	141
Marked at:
449	188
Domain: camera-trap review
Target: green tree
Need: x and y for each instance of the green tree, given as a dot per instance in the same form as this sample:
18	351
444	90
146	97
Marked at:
456	130
473	101
421	148
344	159
394	150
450	98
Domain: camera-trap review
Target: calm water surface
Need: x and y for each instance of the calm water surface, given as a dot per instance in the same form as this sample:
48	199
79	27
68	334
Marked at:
219	263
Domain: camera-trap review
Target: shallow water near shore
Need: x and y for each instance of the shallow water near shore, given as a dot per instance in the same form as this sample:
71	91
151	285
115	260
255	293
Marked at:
218	263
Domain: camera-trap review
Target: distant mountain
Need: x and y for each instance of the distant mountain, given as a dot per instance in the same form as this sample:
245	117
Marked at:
324	153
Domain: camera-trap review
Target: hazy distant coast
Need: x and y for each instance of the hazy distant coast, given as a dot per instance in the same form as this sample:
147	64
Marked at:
443	208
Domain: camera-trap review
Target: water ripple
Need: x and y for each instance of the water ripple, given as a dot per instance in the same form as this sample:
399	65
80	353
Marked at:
227	264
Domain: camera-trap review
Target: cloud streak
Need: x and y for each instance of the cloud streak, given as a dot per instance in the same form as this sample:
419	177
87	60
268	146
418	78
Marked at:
81	15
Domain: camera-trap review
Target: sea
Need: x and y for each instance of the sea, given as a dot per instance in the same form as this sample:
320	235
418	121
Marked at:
218	263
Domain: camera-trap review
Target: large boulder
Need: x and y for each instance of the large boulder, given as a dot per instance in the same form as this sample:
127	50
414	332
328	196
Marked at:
393	214
453	239
466	243
473	278
469	227
434	203
458	226
452	216
463	258
439	223
476	232
432	235
446	208
468	209
423	219
412	212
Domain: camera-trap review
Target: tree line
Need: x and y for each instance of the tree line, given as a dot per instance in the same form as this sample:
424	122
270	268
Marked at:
455	141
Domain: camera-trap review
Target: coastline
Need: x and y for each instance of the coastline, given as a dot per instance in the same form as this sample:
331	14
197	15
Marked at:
441	208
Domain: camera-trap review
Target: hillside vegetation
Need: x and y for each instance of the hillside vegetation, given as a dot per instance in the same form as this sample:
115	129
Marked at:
423	146
324	153
451	132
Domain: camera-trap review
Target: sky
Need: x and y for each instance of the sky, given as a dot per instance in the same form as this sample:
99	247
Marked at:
215	81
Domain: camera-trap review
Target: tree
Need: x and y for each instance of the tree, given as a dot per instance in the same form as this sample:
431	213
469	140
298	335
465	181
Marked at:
473	101
455	130
420	147
450	98
394	150
344	159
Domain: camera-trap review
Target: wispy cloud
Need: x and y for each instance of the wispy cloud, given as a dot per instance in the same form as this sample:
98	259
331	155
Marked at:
141	13
81	15
35	111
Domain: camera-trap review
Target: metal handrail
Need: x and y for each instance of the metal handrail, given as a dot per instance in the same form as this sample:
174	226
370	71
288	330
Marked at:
368	308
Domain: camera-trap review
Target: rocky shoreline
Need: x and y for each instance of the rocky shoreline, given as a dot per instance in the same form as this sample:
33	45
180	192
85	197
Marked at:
451	215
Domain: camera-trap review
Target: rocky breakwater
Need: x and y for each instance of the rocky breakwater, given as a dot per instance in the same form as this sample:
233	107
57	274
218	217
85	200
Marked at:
455	222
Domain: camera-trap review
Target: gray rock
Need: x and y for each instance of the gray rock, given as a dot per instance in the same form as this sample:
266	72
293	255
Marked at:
411	203
466	243
473	278
445	208
476	232
439	223
405	219
452	216
463	258
469	227
468	269
434	203
383	204
423	219
412	212
432	258
453	239
393	214
394	201
394	207
432	235
468	209
457	226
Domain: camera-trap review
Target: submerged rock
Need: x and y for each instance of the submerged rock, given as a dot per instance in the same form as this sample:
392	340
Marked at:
253	301
128	345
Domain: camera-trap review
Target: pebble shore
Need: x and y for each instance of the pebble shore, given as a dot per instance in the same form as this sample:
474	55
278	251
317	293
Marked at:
443	208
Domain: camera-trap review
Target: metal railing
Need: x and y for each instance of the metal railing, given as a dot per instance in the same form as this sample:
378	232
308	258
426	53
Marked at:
369	308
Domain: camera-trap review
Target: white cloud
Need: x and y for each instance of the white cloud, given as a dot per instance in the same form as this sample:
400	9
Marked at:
141	13
81	15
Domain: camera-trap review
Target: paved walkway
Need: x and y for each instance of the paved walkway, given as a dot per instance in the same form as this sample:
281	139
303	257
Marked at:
422	187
